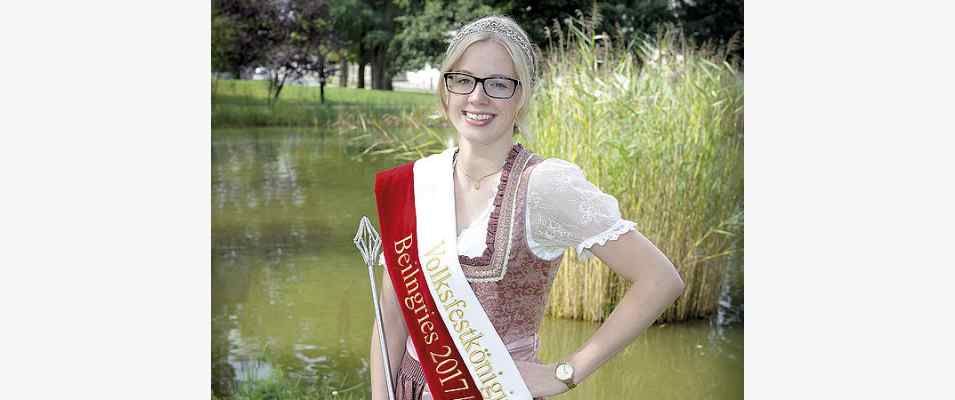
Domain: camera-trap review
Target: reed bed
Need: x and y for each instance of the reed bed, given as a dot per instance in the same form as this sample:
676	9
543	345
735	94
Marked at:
276	384
281	387
410	135
657	123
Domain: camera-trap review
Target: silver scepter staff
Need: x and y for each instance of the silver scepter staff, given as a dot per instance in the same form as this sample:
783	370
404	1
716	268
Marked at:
369	244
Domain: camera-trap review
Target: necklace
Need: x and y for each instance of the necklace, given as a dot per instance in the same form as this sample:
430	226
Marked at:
477	183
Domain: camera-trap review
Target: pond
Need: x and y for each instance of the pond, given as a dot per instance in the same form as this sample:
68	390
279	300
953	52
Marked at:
290	292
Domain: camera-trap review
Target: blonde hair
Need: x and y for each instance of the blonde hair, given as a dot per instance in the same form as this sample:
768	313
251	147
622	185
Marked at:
515	41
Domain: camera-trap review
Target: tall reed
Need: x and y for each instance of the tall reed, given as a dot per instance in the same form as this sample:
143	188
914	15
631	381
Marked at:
410	135
657	124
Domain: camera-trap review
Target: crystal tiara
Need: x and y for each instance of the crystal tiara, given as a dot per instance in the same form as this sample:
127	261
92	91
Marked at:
490	25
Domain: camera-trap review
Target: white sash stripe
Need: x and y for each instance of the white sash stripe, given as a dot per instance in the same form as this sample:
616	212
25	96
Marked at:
436	220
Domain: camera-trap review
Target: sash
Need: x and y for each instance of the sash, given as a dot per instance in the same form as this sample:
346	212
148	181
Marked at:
461	355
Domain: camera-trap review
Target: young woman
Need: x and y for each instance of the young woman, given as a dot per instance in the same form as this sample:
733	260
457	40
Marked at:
514	215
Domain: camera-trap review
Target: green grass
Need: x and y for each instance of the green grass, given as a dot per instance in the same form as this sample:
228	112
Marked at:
237	103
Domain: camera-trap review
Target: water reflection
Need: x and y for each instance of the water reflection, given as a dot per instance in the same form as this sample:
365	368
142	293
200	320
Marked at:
290	293
284	277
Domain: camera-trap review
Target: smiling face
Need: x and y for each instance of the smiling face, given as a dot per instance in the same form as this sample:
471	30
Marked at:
477	117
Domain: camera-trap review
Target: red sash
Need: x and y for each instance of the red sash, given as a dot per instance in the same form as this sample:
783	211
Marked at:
444	369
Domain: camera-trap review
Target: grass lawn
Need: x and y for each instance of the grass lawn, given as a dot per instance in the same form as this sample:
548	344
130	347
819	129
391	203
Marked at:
238	103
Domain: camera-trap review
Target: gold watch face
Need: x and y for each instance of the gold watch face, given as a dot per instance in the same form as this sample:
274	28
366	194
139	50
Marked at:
564	371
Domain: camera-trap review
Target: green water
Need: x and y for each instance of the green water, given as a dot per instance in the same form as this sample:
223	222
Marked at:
290	292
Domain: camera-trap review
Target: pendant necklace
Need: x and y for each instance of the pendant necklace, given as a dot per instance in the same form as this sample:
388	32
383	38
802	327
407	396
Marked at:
477	183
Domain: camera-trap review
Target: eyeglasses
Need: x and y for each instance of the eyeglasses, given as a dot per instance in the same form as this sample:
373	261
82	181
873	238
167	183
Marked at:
496	87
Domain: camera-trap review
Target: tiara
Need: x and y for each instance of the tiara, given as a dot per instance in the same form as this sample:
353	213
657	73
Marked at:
490	25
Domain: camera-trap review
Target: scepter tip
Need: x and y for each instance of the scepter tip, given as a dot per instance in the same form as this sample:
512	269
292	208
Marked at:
368	241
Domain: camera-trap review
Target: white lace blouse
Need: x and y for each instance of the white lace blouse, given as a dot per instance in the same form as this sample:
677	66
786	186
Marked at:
564	210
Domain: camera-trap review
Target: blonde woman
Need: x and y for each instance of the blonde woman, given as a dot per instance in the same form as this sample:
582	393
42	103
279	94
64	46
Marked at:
472	238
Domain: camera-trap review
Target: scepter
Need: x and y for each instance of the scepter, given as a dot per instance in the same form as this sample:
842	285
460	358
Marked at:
369	245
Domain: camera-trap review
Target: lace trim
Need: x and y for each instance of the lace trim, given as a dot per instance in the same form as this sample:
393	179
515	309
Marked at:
622	226
485	257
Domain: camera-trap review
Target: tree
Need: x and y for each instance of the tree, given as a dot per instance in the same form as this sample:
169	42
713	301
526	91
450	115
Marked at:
377	43
301	37
715	21
424	29
288	37
367	28
395	35
353	20
635	19
241	34
536	16
223	42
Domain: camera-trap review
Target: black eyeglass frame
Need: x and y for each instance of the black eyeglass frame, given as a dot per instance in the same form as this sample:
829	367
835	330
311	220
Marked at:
447	85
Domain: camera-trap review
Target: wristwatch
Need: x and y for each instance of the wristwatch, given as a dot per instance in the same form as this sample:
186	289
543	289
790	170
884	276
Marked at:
565	373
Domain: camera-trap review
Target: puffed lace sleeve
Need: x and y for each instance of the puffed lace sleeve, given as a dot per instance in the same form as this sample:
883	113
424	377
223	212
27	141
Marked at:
565	210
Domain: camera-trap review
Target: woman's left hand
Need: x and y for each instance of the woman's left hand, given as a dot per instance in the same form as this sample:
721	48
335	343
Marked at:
540	379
